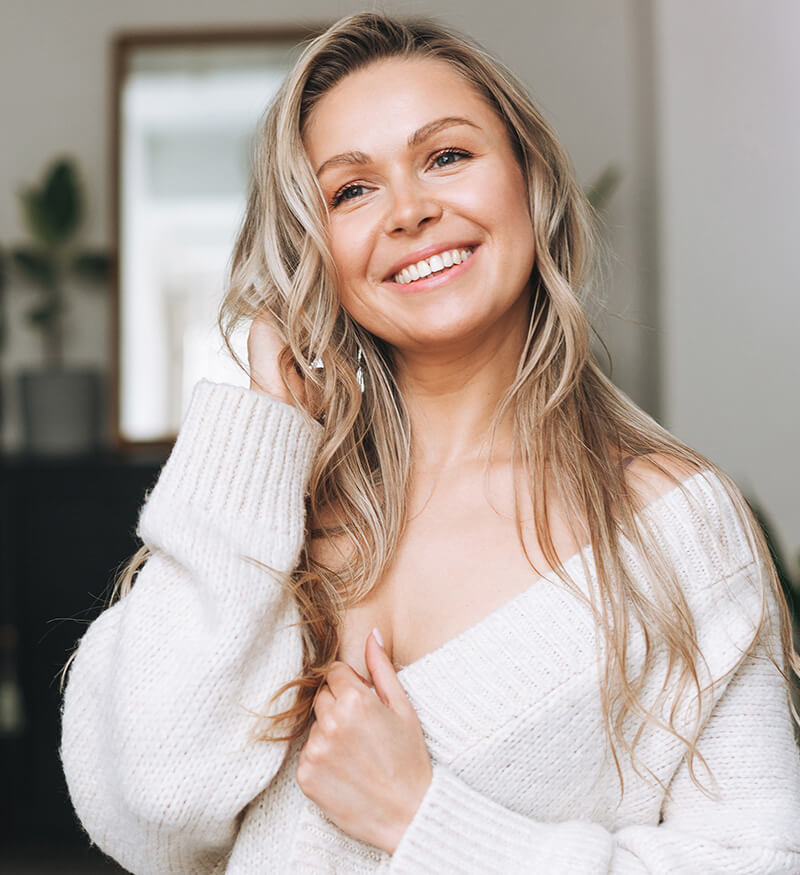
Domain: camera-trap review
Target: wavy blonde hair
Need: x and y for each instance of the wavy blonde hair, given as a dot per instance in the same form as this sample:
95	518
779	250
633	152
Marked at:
568	418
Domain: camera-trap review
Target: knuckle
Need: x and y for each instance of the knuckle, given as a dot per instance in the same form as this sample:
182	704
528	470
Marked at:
317	750
329	724
352	701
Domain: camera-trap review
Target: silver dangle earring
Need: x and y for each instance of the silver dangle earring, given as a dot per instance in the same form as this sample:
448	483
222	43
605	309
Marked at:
360	368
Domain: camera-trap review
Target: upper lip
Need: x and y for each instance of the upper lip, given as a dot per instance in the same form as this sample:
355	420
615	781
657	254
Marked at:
427	252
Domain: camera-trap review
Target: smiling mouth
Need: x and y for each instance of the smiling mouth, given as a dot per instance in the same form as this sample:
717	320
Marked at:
436	264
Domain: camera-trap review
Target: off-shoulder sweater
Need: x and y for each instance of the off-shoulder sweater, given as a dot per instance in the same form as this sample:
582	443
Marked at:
165	690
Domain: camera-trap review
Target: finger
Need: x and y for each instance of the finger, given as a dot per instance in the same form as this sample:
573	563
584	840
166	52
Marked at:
340	676
265	344
387	685
324	701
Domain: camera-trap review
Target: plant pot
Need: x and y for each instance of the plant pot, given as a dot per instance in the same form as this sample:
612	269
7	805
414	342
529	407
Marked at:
61	410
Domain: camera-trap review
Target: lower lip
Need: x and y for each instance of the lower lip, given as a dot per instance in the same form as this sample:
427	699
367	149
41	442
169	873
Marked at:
435	279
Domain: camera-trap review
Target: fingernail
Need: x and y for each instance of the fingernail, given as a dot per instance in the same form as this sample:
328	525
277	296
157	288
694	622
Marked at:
377	635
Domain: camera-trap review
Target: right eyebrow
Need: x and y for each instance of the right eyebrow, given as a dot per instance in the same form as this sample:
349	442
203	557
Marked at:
348	158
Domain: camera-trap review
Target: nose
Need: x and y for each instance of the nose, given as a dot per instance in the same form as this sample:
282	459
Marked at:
412	207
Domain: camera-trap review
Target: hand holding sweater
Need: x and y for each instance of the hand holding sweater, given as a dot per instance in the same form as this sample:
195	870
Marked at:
365	762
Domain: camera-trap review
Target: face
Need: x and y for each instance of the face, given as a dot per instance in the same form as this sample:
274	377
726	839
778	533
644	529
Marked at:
429	225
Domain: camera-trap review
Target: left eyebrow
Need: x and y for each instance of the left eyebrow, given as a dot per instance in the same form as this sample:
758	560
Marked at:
419	136
422	134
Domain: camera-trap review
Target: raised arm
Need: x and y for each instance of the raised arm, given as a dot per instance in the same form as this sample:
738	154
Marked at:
163	694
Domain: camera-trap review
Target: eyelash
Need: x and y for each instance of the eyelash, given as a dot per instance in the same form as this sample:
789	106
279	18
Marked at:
340	194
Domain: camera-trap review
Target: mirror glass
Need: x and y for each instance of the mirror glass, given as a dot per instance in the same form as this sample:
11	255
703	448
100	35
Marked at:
187	112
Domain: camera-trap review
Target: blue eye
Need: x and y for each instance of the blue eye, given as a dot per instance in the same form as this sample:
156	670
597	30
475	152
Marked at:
449	156
347	193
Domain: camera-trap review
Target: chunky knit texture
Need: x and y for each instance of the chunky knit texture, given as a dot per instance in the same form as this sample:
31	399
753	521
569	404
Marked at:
163	695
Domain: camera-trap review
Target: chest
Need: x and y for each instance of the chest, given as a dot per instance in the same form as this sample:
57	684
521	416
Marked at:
512	707
515	693
455	566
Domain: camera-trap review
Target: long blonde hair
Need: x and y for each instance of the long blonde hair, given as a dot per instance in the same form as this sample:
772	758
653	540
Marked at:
568	418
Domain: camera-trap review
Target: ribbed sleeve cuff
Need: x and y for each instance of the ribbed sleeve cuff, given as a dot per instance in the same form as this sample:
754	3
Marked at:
457	829
239	453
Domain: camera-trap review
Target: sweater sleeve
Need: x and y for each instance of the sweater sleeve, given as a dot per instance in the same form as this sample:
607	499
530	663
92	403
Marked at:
164	694
749	825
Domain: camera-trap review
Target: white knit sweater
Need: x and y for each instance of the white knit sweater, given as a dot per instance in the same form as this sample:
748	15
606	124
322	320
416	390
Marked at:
158	711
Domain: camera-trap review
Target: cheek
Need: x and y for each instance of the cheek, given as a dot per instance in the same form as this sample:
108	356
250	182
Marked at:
351	258
347	258
499	202
351	244
513	211
511	198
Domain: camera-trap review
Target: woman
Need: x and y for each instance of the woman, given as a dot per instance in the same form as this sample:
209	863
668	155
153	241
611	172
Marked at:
580	647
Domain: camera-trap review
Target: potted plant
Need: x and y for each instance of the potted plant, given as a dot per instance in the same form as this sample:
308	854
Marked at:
60	405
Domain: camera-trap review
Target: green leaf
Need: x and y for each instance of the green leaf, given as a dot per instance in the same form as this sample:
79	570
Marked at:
600	191
93	266
54	211
44	315
62	199
32	214
38	266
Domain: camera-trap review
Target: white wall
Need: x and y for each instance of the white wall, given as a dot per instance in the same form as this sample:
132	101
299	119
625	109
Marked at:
729	120
578	57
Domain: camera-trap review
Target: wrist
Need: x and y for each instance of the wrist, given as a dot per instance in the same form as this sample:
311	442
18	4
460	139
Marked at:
397	830
278	394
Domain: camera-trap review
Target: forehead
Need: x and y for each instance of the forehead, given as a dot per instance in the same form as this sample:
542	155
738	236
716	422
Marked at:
381	104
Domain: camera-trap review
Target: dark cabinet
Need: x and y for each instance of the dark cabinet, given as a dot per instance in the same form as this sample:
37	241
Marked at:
66	528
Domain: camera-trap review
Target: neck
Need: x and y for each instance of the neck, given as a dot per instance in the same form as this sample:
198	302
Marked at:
452	397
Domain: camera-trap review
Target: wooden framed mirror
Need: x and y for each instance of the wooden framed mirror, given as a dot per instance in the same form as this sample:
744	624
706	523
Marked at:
186	108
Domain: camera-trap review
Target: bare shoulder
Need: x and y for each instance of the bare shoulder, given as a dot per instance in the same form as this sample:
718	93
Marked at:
653	475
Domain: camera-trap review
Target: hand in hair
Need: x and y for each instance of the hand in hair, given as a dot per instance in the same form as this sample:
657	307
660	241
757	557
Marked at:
365	761
264	346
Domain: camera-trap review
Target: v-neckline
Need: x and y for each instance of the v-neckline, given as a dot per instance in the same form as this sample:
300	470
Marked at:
492	616
518	599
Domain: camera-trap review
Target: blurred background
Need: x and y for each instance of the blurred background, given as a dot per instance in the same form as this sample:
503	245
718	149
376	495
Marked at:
682	117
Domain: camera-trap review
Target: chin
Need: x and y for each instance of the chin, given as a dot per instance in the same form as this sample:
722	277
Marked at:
431	337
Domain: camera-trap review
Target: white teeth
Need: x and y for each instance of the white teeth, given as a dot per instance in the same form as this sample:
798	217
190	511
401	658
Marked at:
434	264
